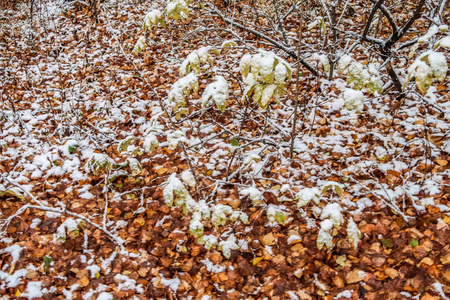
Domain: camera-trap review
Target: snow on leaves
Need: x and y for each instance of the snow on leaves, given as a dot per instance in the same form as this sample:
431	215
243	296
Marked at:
265	77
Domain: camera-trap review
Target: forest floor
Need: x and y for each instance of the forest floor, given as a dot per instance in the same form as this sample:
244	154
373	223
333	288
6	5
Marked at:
71	88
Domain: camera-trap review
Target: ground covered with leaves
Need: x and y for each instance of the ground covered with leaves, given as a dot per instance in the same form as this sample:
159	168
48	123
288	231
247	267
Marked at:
110	190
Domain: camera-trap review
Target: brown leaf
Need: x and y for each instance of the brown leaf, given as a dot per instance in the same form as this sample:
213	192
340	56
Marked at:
83	281
268	239
354	276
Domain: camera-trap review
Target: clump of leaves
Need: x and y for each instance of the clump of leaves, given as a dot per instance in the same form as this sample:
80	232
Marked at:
228	245
265	77
154	17
359	75
182	88
139	47
99	162
218	91
193	61
178	9
276	214
427	66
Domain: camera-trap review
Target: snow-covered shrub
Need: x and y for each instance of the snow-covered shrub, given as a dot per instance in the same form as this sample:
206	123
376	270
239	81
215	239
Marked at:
139	47
182	88
154	17
359	75
276	214
174	187
219	215
98	162
218	91
324	237
177	9
430	64
264	76
150	143
194	60
228	245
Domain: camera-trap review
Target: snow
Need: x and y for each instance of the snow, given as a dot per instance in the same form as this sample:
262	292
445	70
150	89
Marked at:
218	91
306	195
94	269
70	224
344	294
334	212
353	99
254	194
14	251
33	290
438	64
172	284
188	178
293	238
12	280
105	296
126	283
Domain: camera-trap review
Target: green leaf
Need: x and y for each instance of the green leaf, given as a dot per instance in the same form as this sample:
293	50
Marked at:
234	142
388	243
414	242
47	261
73	148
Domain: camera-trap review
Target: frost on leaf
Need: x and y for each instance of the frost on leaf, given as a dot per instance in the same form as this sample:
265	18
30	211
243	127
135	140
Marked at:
353	233
228	44
99	161
353	99
174	138
220	211
424	76
188	178
13	191
423	73
343	63
306	195
191	63
218	91
337	187
381	153
228	245
150	143
174	187
333	211
139	46
265	77
177	9
358	75
444	42
319	22
239	215
196	225
276	214
154	17
244	65
323	60
70	225
123	145
135	166
254	194
438	64
324	237
208	240
182	88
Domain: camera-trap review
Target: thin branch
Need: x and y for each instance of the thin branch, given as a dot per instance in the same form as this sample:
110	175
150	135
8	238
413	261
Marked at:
370	19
